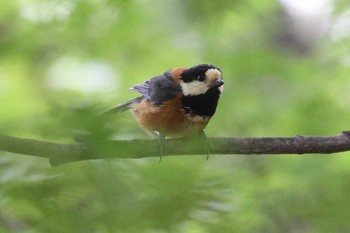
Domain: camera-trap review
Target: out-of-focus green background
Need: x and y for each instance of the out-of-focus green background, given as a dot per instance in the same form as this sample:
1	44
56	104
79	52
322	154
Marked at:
286	67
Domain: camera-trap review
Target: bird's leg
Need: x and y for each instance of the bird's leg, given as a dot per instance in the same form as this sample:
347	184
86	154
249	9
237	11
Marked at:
207	144
161	139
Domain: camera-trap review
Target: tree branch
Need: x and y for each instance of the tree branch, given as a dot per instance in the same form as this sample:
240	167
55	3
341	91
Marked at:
65	153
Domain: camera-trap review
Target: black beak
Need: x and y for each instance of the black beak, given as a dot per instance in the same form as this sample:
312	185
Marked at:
218	82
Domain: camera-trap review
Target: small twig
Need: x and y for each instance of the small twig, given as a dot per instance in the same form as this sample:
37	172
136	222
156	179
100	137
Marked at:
65	153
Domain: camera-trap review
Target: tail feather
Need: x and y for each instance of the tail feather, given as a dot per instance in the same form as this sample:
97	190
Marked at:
124	106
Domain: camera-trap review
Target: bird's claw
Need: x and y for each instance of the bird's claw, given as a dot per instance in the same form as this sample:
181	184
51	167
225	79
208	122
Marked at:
161	139
207	144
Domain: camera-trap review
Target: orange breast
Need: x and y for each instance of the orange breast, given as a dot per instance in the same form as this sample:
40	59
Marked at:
168	118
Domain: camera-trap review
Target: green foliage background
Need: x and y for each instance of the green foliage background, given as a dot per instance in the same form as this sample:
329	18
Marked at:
269	91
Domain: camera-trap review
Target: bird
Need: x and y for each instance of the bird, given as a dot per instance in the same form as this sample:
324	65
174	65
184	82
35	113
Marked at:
178	103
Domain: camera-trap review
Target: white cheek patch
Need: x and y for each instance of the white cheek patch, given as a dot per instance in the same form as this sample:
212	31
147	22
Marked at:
213	74
194	88
199	87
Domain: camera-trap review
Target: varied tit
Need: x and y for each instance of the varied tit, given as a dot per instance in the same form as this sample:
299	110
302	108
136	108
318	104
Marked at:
178	103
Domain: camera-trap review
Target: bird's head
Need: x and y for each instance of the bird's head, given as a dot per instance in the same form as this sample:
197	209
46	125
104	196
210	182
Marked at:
197	80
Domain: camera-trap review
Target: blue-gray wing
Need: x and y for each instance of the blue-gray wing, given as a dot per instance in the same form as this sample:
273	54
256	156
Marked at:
159	89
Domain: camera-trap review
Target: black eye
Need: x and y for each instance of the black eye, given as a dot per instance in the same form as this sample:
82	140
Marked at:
201	78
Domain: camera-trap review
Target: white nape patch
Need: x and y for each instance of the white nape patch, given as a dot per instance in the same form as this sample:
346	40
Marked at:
194	88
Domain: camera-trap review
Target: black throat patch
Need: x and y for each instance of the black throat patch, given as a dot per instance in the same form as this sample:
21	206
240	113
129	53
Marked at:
203	105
